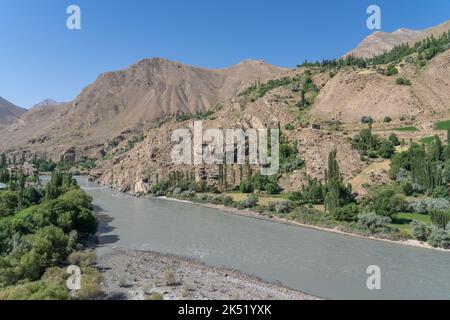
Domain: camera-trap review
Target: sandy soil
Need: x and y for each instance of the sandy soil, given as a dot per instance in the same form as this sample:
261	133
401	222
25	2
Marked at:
136	275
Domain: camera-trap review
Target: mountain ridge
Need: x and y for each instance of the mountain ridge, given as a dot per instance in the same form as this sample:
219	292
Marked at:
9	112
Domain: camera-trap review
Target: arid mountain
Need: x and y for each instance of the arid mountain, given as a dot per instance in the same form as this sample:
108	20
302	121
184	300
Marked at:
134	170
380	42
352	94
9	112
130	100
45	103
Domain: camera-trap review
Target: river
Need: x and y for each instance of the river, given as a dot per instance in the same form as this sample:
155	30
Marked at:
323	264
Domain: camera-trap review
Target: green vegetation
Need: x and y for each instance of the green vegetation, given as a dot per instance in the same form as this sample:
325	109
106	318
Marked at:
427	140
403	82
372	146
38	230
259	90
425	50
443	125
196	116
406	129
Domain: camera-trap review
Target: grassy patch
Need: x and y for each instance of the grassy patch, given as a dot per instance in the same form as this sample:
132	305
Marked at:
427	140
444	125
263	200
406	129
403	220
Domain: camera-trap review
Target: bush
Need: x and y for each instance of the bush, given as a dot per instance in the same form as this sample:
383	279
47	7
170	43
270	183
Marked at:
394	140
289	127
91	284
391	70
387	119
403	82
169	278
154	296
420	230
440	218
425	206
347	213
283	207
408	189
246	187
374	223
387	202
250	202
56	275
82	258
439	238
366	120
40	290
8	203
440	192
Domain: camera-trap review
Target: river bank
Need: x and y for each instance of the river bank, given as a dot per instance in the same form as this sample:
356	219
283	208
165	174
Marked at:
138	275
256	215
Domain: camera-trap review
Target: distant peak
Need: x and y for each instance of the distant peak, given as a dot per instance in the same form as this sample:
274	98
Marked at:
46	103
252	62
157	62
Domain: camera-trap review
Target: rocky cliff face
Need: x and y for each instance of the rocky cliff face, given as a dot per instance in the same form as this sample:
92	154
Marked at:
138	168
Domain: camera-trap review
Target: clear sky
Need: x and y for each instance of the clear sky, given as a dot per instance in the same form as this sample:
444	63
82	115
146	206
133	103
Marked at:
40	58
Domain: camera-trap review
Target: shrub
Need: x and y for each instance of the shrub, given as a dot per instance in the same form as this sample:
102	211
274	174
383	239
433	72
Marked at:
387	119
8	203
82	258
391	70
154	296
347	213
408	188
40	290
440	192
439	238
403	82
246	187
425	206
250	202
55	275
373	222
394	139
169	278
90	284
420	230
283	207
387	202
289	127
440	218
366	120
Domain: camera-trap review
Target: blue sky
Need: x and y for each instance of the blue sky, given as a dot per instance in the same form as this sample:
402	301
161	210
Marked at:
40	58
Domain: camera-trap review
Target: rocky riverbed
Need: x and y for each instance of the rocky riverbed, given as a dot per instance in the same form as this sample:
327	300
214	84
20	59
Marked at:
137	275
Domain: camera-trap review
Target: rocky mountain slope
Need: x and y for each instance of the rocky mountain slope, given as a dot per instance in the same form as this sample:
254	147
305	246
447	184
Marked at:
134	170
380	42
355	93
9	112
127	101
